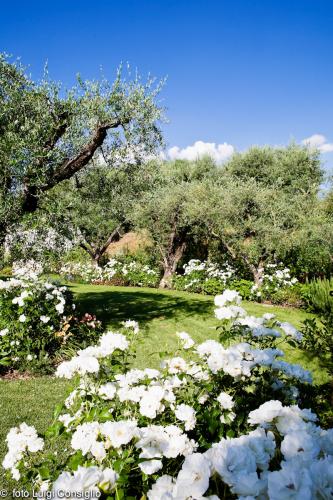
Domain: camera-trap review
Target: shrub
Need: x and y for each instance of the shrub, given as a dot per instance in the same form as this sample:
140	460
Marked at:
243	287
136	274
226	423
317	295
275	280
38	322
212	286
203	277
318	338
289	296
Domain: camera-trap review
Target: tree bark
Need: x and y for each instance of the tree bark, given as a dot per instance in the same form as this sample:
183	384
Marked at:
67	168
171	260
3	233
258	273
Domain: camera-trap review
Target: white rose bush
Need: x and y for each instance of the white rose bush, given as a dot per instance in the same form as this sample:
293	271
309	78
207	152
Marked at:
37	320
276	280
204	277
220	419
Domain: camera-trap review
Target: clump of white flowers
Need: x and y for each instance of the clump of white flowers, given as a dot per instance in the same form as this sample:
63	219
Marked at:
87	359
185	339
274	277
228	305
202	276
36	318
129	273
27	270
226	421
20	440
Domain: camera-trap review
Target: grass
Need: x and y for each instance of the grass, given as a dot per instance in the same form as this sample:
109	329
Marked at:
31	401
160	314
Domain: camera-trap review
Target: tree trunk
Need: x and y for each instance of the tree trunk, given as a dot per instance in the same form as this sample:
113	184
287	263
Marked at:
256	270
69	167
3	233
258	274
96	253
170	262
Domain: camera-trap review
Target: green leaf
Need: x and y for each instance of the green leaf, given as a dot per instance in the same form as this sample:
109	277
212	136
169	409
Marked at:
76	460
44	472
54	430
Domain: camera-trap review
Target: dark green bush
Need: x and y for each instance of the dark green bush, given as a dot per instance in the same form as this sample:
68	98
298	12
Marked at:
213	286
316	296
243	287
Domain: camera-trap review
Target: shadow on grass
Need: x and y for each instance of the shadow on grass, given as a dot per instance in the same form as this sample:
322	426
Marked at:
143	306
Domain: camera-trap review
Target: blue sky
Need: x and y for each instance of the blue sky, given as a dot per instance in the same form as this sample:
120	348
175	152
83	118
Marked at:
239	71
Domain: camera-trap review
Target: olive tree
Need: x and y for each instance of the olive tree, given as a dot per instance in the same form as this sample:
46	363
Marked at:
48	134
93	208
165	210
259	207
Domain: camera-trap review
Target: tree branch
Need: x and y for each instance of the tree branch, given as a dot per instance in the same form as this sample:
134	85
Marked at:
87	249
69	167
103	249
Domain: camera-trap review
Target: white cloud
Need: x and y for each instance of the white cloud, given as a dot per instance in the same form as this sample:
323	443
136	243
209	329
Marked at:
219	152
318	141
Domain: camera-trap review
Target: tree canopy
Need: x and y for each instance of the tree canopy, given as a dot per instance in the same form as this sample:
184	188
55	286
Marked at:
48	134
165	209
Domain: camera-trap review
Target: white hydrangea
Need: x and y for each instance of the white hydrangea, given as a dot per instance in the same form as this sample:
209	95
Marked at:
162	489
119	433
150	403
169	441
290	330
265	413
227	297
84	481
107	391
131	324
77	365
193	478
229	312
175	365
85	437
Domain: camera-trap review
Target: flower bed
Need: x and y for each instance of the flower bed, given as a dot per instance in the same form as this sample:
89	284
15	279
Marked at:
217	420
113	272
277	285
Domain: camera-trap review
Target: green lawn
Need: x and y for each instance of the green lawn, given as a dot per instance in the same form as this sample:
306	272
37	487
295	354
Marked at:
160	314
